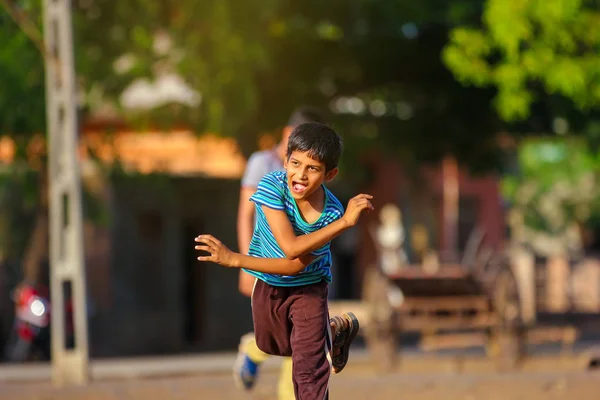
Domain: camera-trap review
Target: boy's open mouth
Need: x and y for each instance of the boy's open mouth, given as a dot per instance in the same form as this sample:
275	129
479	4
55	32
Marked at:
298	187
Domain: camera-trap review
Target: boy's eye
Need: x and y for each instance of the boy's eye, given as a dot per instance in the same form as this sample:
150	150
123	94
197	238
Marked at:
313	168
295	163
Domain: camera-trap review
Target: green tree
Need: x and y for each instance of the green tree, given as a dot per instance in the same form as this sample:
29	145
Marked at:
528	49
554	195
387	55
22	96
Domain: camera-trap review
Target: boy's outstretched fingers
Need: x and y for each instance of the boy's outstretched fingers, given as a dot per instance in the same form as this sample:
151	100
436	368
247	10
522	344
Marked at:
206	246
219	253
202	238
203	248
357	205
208	239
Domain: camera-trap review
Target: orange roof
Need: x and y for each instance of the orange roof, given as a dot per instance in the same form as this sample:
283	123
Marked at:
178	152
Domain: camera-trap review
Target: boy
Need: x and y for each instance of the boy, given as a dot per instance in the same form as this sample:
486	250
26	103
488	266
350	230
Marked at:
296	219
260	163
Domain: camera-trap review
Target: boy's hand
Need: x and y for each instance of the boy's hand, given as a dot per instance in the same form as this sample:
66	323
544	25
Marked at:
219	253
356	206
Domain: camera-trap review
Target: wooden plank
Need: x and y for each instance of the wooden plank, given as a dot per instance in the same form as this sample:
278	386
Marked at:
444	271
567	335
417	322
426	323
453	303
453	341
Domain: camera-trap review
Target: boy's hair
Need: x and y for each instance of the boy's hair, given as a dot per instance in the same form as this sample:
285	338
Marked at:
320	142
305	114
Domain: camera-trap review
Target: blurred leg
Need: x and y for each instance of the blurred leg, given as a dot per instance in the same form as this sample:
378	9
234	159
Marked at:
285	390
247	365
254	353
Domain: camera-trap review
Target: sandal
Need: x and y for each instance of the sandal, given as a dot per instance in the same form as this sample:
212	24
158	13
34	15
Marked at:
341	344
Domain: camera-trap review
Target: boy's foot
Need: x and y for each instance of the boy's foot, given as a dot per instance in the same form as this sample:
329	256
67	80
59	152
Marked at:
245	371
346	328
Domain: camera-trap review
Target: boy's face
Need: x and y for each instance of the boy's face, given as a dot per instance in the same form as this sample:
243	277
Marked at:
305	174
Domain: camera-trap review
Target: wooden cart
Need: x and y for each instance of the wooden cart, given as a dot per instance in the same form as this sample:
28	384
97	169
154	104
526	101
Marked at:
483	304
474	303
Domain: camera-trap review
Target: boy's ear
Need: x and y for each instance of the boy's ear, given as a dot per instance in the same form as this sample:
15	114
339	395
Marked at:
331	174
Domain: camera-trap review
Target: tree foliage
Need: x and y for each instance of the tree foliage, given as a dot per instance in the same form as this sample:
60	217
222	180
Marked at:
22	98
555	194
525	48
216	46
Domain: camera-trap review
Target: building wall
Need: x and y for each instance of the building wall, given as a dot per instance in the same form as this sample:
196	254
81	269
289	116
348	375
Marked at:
224	314
157	297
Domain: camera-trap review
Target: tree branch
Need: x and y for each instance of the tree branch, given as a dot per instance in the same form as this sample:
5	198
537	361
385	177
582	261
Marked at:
29	28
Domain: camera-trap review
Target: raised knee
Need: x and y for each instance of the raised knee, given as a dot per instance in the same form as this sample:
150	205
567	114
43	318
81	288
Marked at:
271	347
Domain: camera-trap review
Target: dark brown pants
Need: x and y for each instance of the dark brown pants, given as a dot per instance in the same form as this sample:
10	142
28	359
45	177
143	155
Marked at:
294	321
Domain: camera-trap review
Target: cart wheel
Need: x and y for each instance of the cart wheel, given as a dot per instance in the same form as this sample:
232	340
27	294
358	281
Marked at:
507	343
380	333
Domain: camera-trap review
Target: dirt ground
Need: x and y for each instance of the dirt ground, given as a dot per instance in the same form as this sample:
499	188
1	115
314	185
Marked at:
550	378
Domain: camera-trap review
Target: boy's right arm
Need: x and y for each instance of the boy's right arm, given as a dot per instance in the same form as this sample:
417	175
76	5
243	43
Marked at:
220	254
296	246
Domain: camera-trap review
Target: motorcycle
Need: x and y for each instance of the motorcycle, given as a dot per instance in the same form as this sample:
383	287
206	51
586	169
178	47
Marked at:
30	337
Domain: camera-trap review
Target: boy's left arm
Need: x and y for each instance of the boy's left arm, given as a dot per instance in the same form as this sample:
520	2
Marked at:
295	246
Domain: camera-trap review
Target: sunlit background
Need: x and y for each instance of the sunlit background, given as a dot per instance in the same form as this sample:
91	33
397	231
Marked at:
477	119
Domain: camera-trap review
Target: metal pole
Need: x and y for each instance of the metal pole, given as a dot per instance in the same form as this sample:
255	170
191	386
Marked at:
67	270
